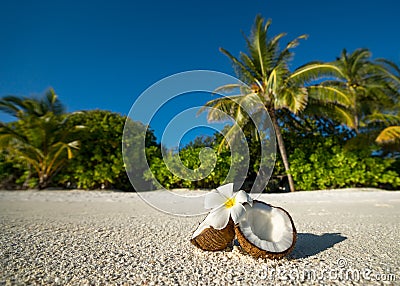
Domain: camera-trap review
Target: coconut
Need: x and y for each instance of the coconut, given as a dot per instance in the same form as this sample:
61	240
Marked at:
208	238
266	231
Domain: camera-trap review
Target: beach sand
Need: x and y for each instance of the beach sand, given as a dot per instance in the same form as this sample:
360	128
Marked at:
99	237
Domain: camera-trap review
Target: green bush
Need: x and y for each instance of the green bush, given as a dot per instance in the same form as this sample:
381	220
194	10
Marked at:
317	161
329	165
187	166
216	167
13	174
99	162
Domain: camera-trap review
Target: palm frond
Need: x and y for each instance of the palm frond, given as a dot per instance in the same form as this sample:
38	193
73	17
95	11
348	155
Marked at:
257	44
240	69
259	39
219	109
358	57
12	105
51	103
315	71
229	137
295	100
294	43
337	113
8	108
388	119
389	65
286	55
252	67
331	94
8	132
24	106
227	88
45	142
390	72
388	135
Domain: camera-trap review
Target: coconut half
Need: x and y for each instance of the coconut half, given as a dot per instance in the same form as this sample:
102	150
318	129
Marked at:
266	231
208	238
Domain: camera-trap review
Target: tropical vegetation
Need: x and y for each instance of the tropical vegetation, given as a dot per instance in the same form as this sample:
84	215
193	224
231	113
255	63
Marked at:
337	125
41	138
358	92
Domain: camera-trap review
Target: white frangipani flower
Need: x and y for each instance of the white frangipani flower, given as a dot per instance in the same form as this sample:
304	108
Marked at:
224	204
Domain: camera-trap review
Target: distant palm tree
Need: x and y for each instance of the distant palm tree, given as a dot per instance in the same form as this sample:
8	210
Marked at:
265	70
40	137
373	88
21	107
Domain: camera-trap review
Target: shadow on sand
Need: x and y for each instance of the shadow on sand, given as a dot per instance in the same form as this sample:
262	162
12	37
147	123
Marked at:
309	244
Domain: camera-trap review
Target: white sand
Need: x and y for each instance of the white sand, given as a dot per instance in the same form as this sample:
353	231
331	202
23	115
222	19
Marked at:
77	237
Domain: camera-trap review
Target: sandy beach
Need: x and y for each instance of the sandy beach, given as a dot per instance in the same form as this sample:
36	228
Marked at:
101	238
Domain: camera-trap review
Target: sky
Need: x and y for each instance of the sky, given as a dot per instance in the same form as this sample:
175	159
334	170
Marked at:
104	54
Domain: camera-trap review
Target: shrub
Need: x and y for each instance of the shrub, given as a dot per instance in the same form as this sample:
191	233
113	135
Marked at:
187	166
99	163
329	165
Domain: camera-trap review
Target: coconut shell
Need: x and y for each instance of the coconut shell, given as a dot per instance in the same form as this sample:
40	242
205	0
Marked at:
212	239
256	252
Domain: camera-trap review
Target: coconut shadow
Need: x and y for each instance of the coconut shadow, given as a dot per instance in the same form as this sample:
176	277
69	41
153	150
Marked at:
309	244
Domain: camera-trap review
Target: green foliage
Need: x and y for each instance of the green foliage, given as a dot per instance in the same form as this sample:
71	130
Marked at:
265	69
322	156
99	163
41	139
196	167
305	105
329	165
373	88
13	174
192	167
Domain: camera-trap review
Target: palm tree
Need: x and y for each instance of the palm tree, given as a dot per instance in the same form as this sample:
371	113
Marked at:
265	71
373	88
20	107
40	137
391	134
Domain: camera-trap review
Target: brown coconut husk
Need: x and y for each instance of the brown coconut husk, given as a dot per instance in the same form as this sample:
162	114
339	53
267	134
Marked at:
212	239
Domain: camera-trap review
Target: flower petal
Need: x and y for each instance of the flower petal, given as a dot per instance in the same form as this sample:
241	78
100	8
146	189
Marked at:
200	228
243	197
218	218
213	199
226	190
237	212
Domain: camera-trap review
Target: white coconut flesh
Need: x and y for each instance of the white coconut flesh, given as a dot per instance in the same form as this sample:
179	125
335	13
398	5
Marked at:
267	228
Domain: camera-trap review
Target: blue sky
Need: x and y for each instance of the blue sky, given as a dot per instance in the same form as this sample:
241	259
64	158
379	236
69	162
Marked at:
104	54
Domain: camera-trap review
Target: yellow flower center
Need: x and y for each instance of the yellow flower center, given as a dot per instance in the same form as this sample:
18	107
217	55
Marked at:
230	203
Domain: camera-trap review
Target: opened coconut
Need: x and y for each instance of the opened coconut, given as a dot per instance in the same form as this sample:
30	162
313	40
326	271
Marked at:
266	231
208	238
217	230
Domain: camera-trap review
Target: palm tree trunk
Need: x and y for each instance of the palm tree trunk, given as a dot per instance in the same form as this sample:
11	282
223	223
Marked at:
28	177
282	149
43	181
